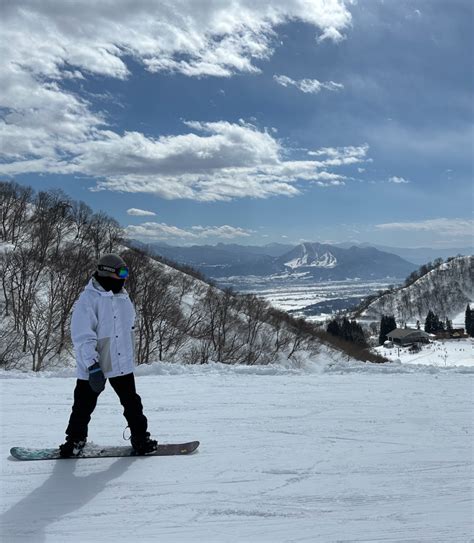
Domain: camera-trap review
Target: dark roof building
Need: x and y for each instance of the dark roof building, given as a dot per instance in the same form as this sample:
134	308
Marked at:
406	336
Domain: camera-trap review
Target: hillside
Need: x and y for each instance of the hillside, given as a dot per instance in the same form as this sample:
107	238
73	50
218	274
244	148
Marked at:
50	246
445	290
418	255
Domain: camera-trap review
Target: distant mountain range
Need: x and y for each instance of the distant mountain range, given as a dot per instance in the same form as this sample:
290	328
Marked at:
419	255
321	261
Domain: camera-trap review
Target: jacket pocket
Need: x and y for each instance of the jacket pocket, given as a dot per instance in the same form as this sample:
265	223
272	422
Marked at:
103	348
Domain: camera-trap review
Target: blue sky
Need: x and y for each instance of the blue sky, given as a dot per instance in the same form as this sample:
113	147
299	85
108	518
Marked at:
247	122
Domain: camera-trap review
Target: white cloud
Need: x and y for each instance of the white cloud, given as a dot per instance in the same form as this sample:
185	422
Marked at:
331	33
398	180
312	86
341	156
218	161
153	231
334	183
47	128
140	212
442	226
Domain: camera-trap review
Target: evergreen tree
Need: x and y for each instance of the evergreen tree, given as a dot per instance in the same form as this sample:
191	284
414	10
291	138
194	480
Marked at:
383	332
348	330
433	323
429	322
333	328
438	323
387	324
469	321
357	334
391	323
448	325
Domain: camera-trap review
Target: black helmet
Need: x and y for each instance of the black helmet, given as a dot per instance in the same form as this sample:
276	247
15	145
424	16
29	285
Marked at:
110	264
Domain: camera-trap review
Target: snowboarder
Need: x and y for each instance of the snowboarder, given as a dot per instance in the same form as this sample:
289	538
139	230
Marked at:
102	331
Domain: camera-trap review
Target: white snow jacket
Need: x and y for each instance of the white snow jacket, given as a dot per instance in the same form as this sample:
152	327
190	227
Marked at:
102	330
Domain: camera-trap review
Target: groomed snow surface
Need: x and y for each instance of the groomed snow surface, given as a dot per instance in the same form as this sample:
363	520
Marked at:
330	454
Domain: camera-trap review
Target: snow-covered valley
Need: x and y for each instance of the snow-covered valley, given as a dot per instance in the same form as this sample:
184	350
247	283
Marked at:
300	294
332	452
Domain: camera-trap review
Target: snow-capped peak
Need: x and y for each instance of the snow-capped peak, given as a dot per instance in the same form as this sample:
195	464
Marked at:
312	259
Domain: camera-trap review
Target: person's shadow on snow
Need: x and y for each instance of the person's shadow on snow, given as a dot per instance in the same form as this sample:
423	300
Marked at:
62	493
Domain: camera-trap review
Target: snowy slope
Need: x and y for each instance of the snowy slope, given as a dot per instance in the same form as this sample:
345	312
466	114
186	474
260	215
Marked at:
446	290
176	327
454	352
332	454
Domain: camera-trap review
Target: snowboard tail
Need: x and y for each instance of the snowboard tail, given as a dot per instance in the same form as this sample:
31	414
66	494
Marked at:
94	451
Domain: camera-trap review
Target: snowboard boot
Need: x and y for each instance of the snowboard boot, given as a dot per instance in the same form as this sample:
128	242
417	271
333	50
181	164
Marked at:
143	444
71	447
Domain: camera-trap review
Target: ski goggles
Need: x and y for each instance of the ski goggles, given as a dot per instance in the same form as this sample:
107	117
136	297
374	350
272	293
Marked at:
122	271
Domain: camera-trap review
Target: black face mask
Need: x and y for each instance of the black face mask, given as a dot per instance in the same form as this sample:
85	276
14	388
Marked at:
109	283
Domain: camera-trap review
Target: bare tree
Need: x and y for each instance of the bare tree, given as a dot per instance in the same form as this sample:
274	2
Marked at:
103	233
72	270
220	325
81	215
113	235
22	275
10	342
301	337
6	261
50	222
159	323
253	310
278	320
14	200
199	353
43	321
184	284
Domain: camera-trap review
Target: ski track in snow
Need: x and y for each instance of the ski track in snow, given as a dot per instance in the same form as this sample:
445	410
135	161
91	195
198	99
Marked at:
284	457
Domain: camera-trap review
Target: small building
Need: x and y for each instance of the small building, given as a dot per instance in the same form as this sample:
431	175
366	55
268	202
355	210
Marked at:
455	333
407	336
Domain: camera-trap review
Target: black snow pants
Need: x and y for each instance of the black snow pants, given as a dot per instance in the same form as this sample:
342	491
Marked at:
85	400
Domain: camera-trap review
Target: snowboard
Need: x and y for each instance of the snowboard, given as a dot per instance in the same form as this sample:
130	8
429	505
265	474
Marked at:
94	451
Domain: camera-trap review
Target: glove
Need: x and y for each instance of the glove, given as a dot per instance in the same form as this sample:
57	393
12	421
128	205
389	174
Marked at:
96	378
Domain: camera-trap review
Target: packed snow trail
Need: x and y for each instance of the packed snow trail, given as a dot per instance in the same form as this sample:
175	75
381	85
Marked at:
291	457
